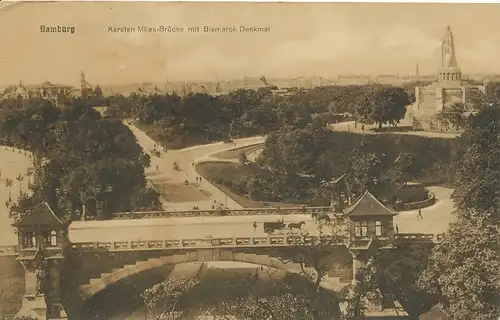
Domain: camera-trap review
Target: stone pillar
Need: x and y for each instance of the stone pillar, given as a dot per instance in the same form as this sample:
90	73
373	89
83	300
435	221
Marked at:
53	296
439	100
46	305
359	259
417	97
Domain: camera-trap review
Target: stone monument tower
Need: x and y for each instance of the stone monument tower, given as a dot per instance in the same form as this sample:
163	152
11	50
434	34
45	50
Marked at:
448	90
450	73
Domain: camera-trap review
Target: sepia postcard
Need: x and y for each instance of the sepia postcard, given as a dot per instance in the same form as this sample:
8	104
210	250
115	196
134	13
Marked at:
249	161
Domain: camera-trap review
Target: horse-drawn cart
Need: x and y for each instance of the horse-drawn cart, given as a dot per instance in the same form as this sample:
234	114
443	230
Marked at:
270	227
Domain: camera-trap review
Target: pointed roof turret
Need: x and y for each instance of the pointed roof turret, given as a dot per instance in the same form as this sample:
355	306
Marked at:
42	217
367	206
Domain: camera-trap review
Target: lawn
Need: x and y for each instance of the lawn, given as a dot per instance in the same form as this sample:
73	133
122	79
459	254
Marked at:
179	192
226	174
235	153
412	193
152	130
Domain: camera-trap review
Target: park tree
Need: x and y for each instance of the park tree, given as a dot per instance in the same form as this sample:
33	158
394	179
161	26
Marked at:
476	100
463	269
400	269
368	171
247	297
382	106
454	115
82	153
477	164
405	168
167	297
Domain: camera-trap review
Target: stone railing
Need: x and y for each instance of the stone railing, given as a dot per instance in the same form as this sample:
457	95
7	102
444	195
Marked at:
8	251
221	212
243	242
418	238
420	204
246	242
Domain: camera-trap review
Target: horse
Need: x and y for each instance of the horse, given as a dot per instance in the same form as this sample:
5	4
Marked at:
297	225
324	217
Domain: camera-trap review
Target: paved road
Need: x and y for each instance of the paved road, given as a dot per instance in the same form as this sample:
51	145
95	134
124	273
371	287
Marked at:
350	126
12	163
187	158
435	219
192	228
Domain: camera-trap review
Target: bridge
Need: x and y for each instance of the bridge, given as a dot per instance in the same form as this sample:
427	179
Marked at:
92	256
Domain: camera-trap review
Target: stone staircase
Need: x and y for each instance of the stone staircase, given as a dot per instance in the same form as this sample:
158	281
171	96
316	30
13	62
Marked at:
115	275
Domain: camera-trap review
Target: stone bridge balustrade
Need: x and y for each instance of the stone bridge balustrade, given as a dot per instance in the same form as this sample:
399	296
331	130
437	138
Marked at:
179	244
8	250
417	238
227	212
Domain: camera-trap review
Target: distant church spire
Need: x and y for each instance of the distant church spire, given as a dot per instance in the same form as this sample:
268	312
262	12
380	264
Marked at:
217	86
417	74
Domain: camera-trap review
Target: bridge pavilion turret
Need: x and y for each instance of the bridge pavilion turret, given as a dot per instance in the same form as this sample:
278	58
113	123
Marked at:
370	225
42	239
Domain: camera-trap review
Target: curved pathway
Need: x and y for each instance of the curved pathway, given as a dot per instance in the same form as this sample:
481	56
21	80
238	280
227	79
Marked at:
162	169
435	218
351	126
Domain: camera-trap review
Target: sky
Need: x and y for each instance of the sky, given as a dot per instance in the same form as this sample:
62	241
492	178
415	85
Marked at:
305	39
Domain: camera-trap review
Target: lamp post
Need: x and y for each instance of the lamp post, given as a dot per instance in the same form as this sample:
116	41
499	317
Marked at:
20	178
77	214
101	203
29	173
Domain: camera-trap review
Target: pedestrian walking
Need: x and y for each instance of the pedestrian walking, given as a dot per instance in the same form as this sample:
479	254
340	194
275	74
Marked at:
419	214
156	167
397	229
255	226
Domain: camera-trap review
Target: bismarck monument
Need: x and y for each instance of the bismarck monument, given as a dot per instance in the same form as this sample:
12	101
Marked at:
449	89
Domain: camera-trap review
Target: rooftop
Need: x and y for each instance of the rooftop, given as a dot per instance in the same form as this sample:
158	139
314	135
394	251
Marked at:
42	216
368	205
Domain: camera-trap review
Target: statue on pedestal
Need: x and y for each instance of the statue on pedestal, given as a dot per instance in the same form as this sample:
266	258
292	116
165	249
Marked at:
449	59
41	276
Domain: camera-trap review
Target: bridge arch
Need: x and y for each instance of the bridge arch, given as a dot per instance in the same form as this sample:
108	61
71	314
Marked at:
98	285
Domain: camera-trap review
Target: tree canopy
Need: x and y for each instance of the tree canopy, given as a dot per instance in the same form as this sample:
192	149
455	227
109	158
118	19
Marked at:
463	269
382	106
86	158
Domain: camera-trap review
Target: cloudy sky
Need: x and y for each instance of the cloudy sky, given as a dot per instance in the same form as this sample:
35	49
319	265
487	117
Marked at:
305	39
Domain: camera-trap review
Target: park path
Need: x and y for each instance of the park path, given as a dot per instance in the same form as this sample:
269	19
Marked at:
162	168
350	126
435	218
